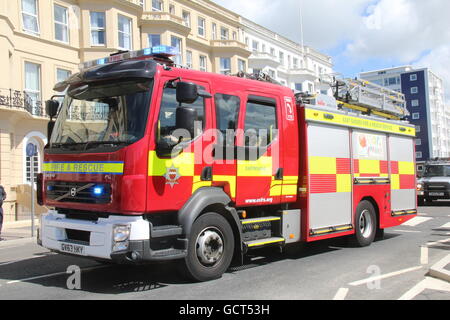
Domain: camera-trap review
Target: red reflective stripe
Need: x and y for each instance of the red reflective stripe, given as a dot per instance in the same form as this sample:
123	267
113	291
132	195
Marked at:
343	166
384	167
323	183
407	181
394	167
356	166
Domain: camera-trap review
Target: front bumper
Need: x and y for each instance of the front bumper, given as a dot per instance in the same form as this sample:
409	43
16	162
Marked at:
97	239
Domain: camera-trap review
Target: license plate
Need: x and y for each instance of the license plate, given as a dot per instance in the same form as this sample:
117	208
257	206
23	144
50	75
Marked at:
436	194
72	248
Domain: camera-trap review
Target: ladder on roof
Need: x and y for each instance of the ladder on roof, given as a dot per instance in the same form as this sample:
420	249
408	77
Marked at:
367	97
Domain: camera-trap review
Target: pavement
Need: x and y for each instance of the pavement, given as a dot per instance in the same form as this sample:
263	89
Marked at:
17	230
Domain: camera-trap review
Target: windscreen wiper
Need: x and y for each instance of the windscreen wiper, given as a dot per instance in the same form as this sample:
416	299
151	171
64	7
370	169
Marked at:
104	143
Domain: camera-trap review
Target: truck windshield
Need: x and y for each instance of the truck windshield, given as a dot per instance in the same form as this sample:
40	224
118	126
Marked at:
437	171
99	115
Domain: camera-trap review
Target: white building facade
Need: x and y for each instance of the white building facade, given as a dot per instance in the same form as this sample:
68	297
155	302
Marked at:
425	98
294	66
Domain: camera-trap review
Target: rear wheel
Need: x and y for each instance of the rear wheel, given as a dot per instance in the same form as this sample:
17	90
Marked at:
210	248
365	224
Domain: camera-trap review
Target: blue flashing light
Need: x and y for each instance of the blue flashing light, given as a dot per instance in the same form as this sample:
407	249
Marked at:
147	52
97	191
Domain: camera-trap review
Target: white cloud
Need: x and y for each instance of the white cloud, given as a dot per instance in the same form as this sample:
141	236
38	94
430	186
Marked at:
391	31
407	31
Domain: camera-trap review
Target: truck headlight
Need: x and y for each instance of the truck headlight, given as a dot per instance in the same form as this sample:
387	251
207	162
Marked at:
419	187
121	232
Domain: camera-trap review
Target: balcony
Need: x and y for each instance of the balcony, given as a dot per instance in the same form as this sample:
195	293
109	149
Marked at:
302	73
19	100
164	19
264	58
230	45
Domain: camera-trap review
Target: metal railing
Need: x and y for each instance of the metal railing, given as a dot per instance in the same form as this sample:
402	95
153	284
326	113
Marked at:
17	99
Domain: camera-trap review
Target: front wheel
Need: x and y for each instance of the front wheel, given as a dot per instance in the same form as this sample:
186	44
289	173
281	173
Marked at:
210	248
365	224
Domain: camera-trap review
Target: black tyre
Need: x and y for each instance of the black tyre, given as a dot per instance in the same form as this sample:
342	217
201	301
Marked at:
210	248
365	224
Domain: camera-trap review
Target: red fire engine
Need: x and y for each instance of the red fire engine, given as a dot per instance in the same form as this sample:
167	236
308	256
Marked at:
148	161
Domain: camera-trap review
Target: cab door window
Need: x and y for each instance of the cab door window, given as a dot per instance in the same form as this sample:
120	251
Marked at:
260	122
168	135
227	115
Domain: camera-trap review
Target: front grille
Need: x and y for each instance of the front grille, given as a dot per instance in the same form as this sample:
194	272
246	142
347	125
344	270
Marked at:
436	186
80	192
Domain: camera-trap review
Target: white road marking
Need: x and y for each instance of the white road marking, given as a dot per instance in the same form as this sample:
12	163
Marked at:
341	294
445	226
438	242
53	274
15	261
423	255
416	221
407	231
427	283
384	276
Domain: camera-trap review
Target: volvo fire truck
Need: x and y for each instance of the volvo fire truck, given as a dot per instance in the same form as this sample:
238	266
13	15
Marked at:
148	161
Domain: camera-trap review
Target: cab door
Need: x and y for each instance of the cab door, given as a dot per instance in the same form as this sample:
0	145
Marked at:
259	162
175	165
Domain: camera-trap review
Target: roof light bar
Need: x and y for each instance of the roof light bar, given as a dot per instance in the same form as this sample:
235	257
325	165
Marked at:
162	50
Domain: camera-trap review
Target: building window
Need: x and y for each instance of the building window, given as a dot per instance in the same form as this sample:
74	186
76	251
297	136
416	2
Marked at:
61	23
418	129
242	65
189	59
416	116
281	57
157	5
299	87
186	19
172	9
295	63
263	47
176	42
201	27
414	103
223	33
33	84
124	33
234	35
255	46
413	77
418	142
271	73
203	63
62	74
154	40
225	65
419	155
30	19
214	31
98	24
272	51
414	90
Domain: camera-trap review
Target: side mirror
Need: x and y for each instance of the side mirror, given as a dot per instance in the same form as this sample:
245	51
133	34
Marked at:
51	108
185	119
187	92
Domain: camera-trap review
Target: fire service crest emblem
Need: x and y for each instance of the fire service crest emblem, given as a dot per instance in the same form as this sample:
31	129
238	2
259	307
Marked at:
172	175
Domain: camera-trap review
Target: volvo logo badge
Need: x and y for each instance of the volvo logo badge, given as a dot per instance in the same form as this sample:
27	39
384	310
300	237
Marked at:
73	192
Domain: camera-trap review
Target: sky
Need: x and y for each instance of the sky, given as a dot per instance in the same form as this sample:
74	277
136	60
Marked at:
362	35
